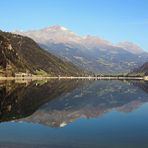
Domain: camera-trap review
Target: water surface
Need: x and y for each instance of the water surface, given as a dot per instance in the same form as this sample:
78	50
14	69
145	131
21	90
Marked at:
74	114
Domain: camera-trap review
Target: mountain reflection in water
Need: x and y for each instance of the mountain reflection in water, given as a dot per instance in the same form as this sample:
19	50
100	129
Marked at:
56	103
19	100
32	114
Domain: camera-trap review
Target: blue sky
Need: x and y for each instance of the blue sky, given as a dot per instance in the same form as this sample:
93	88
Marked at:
114	20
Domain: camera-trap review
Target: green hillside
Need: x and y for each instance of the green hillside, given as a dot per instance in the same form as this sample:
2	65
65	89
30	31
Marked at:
21	54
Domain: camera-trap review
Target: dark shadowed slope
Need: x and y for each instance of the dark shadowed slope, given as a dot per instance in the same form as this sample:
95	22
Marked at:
143	70
21	54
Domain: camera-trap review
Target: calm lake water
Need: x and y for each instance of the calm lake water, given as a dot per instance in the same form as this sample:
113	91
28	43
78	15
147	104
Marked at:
74	114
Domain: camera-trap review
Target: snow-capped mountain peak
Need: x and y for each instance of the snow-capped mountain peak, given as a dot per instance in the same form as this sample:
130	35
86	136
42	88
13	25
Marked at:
89	52
55	28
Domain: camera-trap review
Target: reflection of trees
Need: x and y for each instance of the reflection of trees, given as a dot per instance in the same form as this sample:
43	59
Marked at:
142	85
20	100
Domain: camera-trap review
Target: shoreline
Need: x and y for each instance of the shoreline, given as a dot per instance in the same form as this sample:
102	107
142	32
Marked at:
64	77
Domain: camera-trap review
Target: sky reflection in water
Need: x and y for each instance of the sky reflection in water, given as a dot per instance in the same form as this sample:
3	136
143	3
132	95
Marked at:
73	114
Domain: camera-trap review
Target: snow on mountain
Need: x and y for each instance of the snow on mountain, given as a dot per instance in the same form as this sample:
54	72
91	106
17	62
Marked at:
97	54
60	34
56	34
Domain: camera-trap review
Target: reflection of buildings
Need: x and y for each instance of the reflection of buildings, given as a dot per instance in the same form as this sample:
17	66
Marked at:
23	81
22	77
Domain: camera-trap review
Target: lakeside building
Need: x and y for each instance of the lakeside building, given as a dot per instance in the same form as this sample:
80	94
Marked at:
22	75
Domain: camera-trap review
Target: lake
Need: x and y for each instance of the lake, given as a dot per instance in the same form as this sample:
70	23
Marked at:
74	114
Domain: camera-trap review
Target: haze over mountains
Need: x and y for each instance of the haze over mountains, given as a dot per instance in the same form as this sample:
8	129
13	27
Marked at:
89	52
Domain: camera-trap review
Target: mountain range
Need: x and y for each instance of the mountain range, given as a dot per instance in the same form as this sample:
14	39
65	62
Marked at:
21	54
89	52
